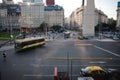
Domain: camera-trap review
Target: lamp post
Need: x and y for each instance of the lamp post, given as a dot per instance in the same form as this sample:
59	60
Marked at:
46	29
10	25
20	20
99	22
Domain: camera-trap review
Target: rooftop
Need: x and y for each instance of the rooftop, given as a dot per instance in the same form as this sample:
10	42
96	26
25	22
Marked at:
11	8
53	7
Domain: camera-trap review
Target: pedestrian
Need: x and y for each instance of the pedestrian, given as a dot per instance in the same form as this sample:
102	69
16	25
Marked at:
4	55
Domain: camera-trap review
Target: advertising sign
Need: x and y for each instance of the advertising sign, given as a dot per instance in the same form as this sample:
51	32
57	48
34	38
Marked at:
118	4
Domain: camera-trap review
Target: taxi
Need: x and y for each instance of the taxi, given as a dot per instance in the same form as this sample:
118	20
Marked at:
97	72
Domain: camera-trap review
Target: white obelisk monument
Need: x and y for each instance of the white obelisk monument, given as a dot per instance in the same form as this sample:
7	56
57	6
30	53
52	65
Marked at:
88	26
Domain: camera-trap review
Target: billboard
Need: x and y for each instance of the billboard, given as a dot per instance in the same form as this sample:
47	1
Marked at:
118	4
50	2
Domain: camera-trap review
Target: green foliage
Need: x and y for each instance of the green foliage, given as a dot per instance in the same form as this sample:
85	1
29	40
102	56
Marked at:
108	27
97	28
6	36
42	26
56	27
112	25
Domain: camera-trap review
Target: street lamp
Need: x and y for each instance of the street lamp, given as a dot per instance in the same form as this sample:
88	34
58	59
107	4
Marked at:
99	22
10	25
46	29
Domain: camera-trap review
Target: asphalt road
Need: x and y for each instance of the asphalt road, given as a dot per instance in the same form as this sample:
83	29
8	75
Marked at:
39	63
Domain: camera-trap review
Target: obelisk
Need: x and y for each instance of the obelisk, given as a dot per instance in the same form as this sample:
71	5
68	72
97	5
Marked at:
88	26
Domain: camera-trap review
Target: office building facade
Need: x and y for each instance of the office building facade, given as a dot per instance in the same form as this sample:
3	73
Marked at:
54	15
77	19
33	1
32	14
7	2
9	16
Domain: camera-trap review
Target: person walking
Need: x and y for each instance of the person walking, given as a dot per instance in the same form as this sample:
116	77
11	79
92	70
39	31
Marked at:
4	55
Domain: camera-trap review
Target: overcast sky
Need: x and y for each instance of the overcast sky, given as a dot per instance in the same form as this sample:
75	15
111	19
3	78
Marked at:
109	7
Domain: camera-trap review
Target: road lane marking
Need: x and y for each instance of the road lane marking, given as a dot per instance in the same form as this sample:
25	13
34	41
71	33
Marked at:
111	69
83	44
39	75
95	62
107	51
72	65
36	75
62	58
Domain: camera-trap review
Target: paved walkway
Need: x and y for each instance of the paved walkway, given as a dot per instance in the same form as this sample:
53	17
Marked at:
105	39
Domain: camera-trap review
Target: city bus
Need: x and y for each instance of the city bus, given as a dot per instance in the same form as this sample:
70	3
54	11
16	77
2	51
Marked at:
22	44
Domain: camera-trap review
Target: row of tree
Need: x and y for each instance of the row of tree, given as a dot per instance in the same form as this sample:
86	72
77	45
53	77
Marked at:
106	27
44	26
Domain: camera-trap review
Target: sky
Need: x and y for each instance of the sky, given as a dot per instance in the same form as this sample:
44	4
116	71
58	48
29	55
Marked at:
109	7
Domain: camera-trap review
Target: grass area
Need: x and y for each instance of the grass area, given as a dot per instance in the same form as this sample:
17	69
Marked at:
5	36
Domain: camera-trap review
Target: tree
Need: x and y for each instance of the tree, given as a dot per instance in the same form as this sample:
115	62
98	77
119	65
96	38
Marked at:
42	26
56	27
103	27
112	25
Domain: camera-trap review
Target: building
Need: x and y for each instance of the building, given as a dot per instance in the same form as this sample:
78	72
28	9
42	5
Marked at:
32	14
33	1
9	17
77	19
7	1
100	17
50	2
118	16
54	15
3	16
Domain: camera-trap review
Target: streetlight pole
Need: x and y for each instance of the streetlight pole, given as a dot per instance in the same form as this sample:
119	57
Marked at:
46	29
20	23
11	36
99	22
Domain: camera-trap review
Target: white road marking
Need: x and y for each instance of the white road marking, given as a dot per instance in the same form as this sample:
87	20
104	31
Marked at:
83	44
95	62
37	75
72	65
111	69
107	51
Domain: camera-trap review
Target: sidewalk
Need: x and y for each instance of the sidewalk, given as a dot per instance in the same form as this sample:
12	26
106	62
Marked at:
103	39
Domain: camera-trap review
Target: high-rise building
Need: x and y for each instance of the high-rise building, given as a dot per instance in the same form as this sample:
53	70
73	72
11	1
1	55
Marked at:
80	19
9	16
54	15
50	2
4	1
7	1
118	16
32	14
33	1
84	18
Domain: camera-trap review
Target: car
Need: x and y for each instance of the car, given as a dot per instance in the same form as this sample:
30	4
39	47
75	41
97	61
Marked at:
96	72
115	37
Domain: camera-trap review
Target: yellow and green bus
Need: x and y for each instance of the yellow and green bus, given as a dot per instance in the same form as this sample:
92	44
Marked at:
22	44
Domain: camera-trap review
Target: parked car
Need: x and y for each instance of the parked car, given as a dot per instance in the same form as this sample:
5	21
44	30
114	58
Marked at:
115	37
